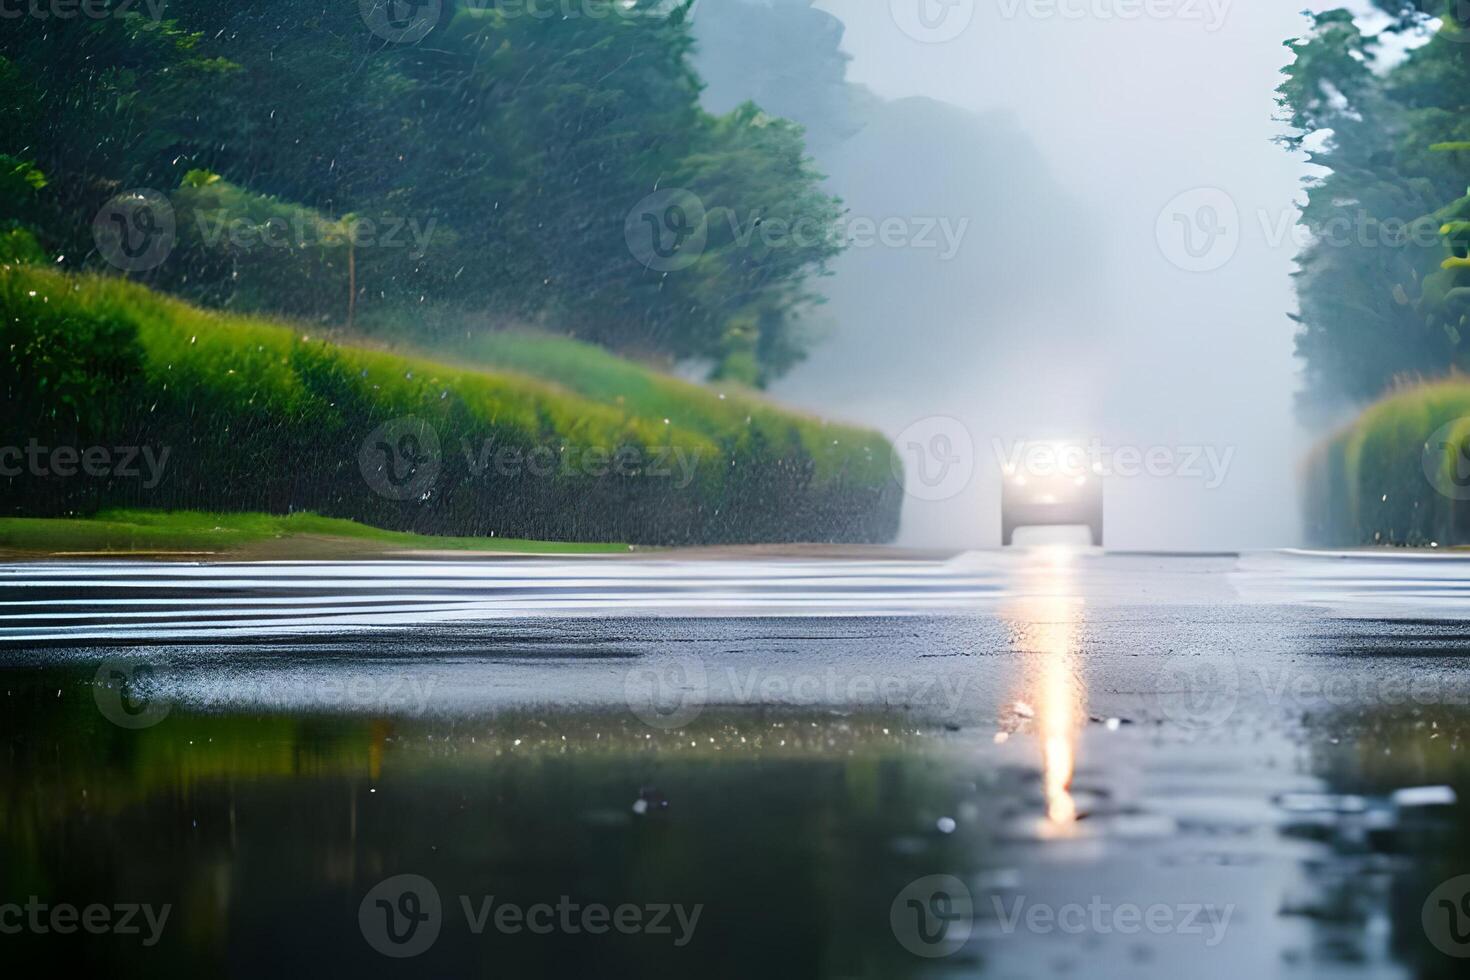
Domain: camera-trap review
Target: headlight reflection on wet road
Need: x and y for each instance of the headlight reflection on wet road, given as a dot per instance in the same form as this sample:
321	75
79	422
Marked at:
1044	622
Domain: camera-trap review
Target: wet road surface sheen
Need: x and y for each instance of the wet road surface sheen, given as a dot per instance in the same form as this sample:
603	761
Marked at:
1132	765
86	601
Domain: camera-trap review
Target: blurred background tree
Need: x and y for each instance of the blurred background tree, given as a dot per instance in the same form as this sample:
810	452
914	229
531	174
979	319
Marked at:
1380	280
518	143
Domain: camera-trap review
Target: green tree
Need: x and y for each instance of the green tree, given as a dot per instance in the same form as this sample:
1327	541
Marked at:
1379	281
523	141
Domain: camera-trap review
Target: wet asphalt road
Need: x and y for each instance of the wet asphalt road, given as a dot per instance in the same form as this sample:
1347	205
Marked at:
1188	642
1040	763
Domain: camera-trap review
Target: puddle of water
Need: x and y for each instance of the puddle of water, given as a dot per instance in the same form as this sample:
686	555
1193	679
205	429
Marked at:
795	834
1064	785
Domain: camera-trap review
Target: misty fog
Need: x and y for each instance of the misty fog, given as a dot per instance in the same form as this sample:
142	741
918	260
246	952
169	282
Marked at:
1061	146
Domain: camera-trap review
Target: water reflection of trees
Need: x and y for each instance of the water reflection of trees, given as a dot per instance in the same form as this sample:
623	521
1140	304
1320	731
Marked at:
794	832
1368	754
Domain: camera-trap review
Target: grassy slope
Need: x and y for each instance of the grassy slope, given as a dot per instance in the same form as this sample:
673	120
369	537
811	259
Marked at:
311	402
603	377
123	531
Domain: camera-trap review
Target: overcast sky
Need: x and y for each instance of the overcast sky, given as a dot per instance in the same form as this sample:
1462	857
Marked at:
1190	342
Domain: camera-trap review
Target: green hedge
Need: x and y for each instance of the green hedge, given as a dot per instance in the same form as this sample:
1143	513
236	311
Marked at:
724	413
260	416
1392	476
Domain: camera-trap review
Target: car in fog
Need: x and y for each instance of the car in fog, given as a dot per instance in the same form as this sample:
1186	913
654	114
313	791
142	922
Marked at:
1051	485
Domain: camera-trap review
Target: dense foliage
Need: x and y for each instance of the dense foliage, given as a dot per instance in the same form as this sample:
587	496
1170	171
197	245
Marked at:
1385	281
257	416
518	146
1399	474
